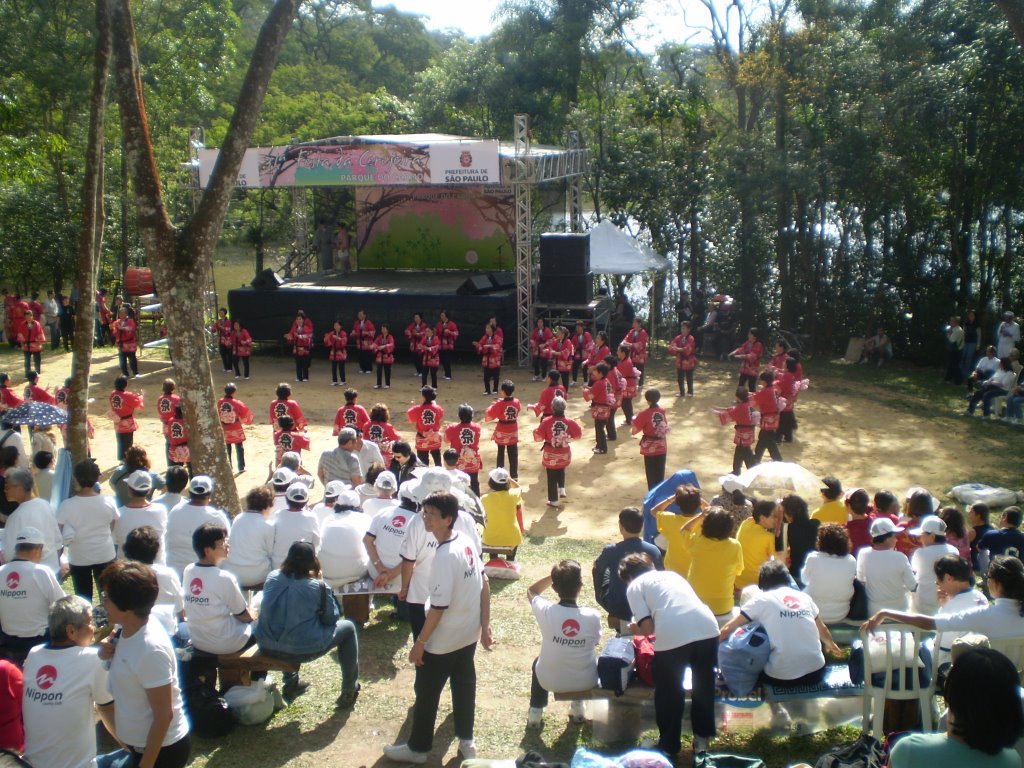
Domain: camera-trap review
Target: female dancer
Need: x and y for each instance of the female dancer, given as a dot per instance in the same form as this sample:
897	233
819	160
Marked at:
430	357
336	341
540	337
749	354
384	349
414	332
741	414
684	348
300	336
582	346
637	340
652	424
490	351
556	432
464	437
427	418
506	432
241	349
448	332
363	334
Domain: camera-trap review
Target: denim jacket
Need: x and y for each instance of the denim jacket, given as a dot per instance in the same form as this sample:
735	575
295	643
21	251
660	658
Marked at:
291	620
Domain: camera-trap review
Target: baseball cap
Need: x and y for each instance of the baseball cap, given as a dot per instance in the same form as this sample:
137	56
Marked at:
30	536
282	476
297	492
408	490
499	475
139	480
386	481
832	484
929	524
883	526
333	488
348	499
434	480
201	485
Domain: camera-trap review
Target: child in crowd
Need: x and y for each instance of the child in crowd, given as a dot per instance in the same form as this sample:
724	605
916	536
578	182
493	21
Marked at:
652	425
505	412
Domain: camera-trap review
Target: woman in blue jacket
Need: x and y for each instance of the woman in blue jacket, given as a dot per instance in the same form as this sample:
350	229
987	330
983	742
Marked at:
300	621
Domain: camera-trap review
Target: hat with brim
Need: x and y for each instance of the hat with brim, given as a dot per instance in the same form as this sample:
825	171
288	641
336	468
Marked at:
297	492
29	537
883	526
333	488
140	480
201	485
929	524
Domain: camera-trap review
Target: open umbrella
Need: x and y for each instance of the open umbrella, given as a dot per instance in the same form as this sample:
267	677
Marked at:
35	414
777	478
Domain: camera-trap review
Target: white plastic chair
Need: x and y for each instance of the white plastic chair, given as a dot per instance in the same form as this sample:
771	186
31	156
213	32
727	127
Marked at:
901	665
1013	649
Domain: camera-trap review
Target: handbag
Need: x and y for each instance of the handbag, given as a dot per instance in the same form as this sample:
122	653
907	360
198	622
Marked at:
859	601
644	646
725	760
865	752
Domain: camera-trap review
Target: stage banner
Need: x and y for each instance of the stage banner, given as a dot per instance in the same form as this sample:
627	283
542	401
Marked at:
363	164
462	227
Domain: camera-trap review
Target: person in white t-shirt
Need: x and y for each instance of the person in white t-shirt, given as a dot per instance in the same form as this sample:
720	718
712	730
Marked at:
796	632
143	545
140	511
296	523
31	512
932	531
64	679
828	573
458	616
218	618
27	589
252	540
569	638
279	481
184	519
86	521
383	542
955	580
325	509
342	554
149	718
664	604
176	479
886	573
385	486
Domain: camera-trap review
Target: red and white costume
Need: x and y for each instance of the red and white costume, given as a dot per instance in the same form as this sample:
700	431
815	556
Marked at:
122	407
430	351
601	396
384	347
337	345
767	401
556	432
126	335
427	418
300	336
637	340
177	436
543	405
363	334
241	343
465	438
652	424
234	415
165	405
489	349
288	441
562	352
223	330
582	345
684	349
742	415
415	332
354	416
597	355
384	435
539	338
279	408
31	337
630	374
749	354
9	398
447	333
39	395
506	413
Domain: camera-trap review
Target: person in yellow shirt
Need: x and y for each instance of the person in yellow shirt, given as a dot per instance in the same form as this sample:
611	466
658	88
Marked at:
756	536
834	508
503	510
687	499
716	559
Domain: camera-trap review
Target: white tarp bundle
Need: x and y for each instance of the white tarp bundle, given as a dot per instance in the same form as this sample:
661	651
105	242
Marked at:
615	252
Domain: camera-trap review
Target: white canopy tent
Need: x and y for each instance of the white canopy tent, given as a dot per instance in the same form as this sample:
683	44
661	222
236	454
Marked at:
615	252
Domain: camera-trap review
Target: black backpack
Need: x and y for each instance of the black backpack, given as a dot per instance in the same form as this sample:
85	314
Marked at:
207	712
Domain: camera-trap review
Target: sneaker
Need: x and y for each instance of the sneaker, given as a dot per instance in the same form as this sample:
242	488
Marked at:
347	699
561	493
401	753
246	378
376	386
535	717
334	383
387	386
552	504
487	392
700	744
578	712
467	748
572	384
599	451
447	378
292	690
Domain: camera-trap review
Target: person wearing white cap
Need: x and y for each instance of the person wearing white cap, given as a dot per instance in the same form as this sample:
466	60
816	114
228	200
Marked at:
295	523
252	539
293	461
886	573
386	485
503	510
383	540
139	511
27	589
185	518
279	481
31	511
932	531
325	508
342	555
86	521
1007	335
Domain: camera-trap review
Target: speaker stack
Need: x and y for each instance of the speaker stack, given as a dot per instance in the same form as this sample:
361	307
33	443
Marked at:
266	280
565	276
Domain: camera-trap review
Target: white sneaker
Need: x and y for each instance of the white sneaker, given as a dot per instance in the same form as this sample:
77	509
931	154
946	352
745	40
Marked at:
467	748
535	717
578	712
552	504
561	493
401	753
700	744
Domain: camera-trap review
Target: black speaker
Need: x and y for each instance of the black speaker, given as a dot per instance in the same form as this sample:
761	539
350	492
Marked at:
503	280
565	254
266	280
474	284
565	289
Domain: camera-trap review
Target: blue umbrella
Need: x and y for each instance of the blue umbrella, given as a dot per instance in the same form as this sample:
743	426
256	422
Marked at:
35	414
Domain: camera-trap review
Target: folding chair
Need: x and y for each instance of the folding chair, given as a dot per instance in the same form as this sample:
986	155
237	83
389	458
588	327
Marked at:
901	675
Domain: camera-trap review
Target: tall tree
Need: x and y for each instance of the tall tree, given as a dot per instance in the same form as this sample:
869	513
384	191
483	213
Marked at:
181	257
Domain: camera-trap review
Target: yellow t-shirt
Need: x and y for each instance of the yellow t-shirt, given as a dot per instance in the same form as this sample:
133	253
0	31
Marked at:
714	566
831	512
502	529
758	547
677	557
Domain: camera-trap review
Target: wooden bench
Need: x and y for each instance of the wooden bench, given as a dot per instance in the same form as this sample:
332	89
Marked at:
509	553
237	668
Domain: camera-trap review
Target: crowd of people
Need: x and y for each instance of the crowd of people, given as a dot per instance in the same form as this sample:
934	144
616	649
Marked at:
992	376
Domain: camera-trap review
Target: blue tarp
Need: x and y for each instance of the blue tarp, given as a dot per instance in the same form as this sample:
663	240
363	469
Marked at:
665	489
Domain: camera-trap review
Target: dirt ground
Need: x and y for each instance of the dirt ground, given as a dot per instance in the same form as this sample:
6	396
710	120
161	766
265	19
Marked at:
860	433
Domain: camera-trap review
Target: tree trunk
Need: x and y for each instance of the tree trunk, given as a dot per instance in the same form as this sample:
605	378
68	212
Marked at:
89	243
181	260
1014	12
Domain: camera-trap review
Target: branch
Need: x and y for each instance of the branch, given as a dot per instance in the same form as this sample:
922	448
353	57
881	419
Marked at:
1013	10
206	224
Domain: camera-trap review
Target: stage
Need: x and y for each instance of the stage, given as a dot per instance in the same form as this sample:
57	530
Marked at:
386	296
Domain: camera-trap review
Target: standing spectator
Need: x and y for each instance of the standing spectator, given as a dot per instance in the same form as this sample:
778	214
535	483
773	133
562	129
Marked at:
60	730
241	349
954	351
562	666
300	336
505	412
886	573
67	322
1007	335
384	351
556	432
829	572
86	522
652	425
148	714
686	635
323	244
30	512
684	348
342	249
234	415
123	405
336	341
51	319
31	337
135	459
972	339
458	616
186	518
29	589
363	334
448	332
222	329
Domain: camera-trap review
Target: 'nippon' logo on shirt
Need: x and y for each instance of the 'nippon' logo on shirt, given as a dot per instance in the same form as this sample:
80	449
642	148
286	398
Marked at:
12	582
195	592
795	610
570	627
46	677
